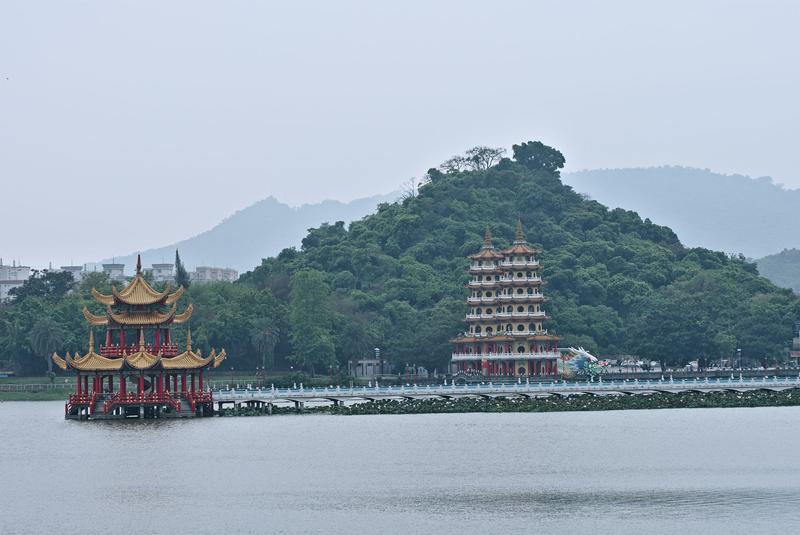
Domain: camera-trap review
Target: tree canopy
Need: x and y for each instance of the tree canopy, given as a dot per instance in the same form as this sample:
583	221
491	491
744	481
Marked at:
617	284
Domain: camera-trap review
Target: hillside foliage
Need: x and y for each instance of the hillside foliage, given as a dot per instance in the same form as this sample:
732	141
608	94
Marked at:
394	280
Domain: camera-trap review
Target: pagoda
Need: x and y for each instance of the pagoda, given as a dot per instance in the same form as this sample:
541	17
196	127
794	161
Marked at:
154	379
505	314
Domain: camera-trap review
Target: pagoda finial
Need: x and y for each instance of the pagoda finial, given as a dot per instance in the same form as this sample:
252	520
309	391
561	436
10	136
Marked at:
189	339
487	239
519	237
138	264
91	340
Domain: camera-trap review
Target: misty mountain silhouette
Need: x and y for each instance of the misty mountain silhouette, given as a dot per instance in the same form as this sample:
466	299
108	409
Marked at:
261	230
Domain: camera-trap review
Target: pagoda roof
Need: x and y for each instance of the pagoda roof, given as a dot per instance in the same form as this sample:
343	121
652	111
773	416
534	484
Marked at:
140	360
487	251
520	246
90	361
144	317
138	292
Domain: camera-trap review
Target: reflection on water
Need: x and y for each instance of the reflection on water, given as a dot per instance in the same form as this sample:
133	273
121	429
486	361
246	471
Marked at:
693	471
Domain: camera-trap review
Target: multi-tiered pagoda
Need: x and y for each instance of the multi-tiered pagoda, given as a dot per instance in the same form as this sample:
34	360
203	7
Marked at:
138	370
505	314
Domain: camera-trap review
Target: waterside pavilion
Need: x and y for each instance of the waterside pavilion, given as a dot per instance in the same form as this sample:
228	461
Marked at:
153	379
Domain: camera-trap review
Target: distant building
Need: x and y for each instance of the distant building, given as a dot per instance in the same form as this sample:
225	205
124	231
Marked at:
77	272
206	274
115	272
12	276
163	272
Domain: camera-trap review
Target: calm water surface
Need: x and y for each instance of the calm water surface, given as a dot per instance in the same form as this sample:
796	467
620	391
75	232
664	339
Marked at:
668	471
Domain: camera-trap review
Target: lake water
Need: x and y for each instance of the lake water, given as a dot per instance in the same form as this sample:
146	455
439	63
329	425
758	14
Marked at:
667	471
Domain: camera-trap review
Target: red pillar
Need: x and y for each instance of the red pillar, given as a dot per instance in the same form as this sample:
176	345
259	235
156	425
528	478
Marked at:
85	385
122	389
158	338
78	383
122	337
141	384
192	383
166	335
108	337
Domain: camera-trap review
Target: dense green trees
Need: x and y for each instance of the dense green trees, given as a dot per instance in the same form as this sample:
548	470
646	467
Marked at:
394	280
311	321
181	276
617	284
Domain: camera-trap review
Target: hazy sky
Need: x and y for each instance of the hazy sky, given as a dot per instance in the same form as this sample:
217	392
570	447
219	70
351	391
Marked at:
125	125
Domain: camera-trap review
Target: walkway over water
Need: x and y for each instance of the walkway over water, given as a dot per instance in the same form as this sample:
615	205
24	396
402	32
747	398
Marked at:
337	394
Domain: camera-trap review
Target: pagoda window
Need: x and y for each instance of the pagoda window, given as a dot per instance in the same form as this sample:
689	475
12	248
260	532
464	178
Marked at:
520	327
519	274
532	327
497	277
521	349
520	308
538	326
488	330
480	278
530	291
519	290
531	308
479	311
480	262
509	327
488	294
488	310
509	309
528	274
477	329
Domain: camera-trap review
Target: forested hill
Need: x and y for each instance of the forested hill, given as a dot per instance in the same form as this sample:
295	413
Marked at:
782	268
618	284
258	231
731	213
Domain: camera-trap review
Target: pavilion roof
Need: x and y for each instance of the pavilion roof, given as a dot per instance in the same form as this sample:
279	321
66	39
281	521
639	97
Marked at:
139	292
140	360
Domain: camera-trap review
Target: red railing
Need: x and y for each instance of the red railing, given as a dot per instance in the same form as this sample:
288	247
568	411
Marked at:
167	350
76	400
198	397
141	399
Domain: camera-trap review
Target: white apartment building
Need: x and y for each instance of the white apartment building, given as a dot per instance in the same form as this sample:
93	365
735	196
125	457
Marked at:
115	272
76	271
207	274
12	276
163	272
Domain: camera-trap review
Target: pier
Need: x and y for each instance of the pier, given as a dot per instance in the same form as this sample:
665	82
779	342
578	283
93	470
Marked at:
266	398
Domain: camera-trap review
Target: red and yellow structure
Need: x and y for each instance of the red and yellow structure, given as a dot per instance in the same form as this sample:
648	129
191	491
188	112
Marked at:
505	315
139	371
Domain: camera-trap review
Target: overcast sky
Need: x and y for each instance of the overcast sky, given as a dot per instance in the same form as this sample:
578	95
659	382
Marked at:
126	125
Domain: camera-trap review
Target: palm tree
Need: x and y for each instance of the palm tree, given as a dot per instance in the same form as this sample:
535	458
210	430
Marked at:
14	343
45	337
264	336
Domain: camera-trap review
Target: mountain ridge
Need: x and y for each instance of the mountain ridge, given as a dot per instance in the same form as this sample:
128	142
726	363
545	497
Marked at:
758	216
236	241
